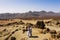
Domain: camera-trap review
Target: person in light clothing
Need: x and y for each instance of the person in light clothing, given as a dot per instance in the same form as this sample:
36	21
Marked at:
29	31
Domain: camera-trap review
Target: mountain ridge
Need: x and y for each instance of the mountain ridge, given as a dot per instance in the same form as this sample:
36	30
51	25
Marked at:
31	15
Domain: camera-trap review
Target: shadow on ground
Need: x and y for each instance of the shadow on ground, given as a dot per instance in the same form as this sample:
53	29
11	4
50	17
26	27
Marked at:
34	37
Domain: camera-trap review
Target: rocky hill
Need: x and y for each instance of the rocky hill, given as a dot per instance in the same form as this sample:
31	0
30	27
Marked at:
31	15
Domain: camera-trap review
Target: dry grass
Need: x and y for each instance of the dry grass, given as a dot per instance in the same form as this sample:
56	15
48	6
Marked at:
42	34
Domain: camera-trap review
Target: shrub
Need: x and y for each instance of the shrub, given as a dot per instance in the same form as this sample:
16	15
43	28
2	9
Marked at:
4	30
21	22
57	23
1	33
6	33
53	35
29	24
1	25
40	24
45	39
53	32
58	36
44	31
13	32
16	30
17	26
9	24
23	38
47	29
13	38
48	22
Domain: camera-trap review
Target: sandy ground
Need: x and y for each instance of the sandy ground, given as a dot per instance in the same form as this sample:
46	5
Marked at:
35	31
36	35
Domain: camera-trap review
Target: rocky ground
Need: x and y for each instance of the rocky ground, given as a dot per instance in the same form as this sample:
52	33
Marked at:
7	32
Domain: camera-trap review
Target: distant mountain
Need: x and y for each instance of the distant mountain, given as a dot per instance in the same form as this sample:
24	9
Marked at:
31	15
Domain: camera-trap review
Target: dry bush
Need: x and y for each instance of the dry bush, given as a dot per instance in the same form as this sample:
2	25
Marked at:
1	34
5	30
11	23
58	35
48	22
46	30
45	39
58	32
13	38
21	22
52	23
1	25
57	23
6	33
53	32
17	26
29	24
14	31
24	38
53	35
59	39
40	24
50	38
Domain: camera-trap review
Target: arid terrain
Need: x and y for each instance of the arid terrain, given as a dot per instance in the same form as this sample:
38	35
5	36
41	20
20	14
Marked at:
13	29
29	19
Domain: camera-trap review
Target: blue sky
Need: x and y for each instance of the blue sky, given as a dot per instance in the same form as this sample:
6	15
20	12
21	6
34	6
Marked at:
14	6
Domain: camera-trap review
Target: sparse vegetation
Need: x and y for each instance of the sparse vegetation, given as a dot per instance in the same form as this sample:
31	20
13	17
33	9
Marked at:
47	30
58	35
53	35
1	25
11	27
53	32
24	38
45	39
29	24
13	38
40	24
57	23
21	22
5	30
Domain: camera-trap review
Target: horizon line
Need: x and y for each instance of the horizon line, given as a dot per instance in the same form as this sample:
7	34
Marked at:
29	11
